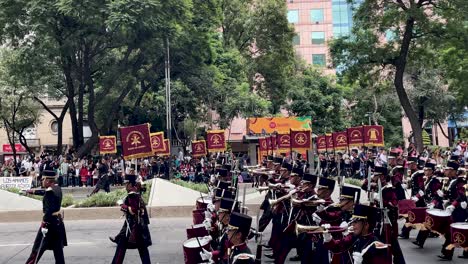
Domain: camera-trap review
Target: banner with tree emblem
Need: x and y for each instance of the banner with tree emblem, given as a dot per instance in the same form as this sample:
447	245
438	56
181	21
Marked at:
321	143
340	140
157	142
199	148
301	139
107	145
355	136
167	147
215	140
329	140
262	144
136	141
283	140
373	136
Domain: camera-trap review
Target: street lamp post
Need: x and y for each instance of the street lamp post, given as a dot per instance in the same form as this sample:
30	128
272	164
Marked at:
167	75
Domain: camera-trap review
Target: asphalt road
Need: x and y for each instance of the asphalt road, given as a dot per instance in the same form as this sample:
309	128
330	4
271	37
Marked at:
88	243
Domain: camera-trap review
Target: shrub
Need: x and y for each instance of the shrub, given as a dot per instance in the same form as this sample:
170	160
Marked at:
103	199
67	200
199	187
355	182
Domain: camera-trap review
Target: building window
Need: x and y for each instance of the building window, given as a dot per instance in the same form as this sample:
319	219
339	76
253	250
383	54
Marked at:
316	15
341	17
54	127
318	59
318	37
296	40
293	16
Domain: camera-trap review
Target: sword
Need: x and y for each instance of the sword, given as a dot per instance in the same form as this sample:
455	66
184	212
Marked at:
243	199
369	178
40	247
258	255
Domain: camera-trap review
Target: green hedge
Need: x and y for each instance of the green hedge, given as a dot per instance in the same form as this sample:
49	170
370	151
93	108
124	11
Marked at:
103	199
199	187
355	182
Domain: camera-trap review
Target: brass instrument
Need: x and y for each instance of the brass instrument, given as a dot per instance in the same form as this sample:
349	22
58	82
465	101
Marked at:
272	186
273	202
306	229
307	203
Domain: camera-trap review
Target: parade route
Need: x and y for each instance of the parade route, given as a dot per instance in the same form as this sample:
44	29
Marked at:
89	243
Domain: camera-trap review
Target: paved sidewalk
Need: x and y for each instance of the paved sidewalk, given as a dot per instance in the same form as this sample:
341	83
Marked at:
15	202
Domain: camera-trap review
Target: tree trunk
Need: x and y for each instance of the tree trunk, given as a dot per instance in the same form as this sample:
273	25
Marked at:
400	66
80	123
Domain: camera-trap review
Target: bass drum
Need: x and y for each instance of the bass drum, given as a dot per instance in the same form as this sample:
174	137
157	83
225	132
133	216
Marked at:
438	220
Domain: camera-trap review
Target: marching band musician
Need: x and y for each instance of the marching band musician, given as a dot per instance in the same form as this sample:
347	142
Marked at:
397	173
237	232
457	208
362	245
51	234
434	196
224	215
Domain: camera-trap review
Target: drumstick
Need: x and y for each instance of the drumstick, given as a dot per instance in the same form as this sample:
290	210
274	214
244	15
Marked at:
201	196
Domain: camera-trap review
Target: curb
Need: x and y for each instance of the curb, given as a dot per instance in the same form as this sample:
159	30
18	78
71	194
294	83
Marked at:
96	213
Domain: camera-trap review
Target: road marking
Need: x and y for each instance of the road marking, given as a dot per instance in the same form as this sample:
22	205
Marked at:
29	244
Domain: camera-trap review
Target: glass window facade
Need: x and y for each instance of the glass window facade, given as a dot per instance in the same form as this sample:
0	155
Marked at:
316	15
293	16
318	59
342	18
318	37
296	40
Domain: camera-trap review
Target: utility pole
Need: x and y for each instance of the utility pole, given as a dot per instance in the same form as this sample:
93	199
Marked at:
167	75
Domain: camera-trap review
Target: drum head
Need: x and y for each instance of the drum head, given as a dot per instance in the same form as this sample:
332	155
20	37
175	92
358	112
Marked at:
193	243
460	225
438	212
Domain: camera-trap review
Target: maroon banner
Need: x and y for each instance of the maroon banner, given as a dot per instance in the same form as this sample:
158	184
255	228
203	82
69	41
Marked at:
268	142
107	145
329	140
274	144
167	148
136	141
321	143
355	136
283	141
263	144
215	140
157	142
199	148
373	136
301	139
340	140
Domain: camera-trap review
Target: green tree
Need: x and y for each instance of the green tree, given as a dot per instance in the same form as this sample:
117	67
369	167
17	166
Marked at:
317	95
412	26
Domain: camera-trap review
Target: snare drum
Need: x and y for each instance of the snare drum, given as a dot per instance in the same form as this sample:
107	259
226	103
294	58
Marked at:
417	215
438	220
202	202
192	250
459	233
198	216
197	231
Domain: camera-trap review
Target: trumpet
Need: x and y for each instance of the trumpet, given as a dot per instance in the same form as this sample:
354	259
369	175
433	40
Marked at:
282	198
306	229
307	203
272	186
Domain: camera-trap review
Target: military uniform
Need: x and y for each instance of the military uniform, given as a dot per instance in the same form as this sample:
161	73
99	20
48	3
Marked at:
51	234
240	253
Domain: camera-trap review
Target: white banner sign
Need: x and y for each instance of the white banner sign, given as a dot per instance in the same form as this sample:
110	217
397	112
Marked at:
22	183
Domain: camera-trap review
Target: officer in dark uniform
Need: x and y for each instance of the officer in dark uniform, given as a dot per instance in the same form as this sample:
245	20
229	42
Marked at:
51	234
103	182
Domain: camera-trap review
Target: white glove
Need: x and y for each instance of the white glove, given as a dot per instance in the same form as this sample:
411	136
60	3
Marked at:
440	193
207	238
44	231
463	205
207	223
320	208
414	198
327	237
326	226
207	215
351	229
421	193
344	225
357	257
430	206
404	186
450	209
120	202
316	218
205	255
211	207
376	196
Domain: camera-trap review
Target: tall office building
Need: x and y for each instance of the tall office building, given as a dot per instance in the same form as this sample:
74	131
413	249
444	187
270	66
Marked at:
316	22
